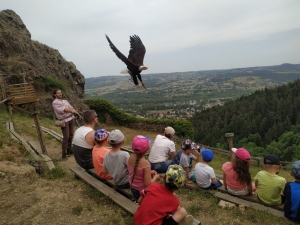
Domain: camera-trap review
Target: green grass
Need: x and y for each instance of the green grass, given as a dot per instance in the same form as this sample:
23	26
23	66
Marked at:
53	174
77	210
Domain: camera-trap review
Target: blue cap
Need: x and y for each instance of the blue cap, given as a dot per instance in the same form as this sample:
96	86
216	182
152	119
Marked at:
296	169
207	154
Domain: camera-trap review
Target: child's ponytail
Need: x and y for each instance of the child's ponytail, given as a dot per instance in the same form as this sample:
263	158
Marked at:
138	158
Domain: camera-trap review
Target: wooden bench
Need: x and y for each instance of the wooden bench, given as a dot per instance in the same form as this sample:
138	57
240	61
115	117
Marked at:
111	183
252	198
195	186
118	198
247	200
121	200
238	201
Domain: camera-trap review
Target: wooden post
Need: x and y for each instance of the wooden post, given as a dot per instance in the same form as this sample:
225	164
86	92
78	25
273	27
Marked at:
39	131
38	127
10	109
229	139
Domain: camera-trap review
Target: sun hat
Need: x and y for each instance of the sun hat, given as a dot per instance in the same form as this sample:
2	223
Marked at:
101	135
207	154
169	131
140	144
194	146
242	153
115	137
186	144
271	159
296	169
175	175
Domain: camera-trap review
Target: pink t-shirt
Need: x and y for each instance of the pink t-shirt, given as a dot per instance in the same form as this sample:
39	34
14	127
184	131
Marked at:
138	181
59	106
98	157
231	177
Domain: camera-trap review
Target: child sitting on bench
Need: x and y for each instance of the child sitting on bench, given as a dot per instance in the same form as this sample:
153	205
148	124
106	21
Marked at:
159	205
205	174
115	161
99	152
236	174
186	160
269	185
292	195
140	173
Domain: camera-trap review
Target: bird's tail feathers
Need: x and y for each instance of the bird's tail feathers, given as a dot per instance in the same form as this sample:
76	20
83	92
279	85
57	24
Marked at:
124	71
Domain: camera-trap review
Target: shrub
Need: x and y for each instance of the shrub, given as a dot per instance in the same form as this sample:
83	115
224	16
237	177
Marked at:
182	127
52	83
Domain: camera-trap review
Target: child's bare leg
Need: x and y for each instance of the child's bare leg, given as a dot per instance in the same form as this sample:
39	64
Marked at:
180	214
253	189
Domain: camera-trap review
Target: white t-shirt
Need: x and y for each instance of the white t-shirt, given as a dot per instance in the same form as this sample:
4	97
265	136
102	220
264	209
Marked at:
79	137
160	149
204	173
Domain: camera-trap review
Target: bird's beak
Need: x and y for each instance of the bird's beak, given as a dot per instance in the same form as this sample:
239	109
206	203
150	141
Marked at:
145	68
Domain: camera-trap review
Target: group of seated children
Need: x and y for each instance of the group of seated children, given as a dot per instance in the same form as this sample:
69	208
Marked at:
203	175
134	172
269	188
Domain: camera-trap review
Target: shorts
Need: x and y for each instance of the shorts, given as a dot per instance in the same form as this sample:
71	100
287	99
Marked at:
214	186
135	193
243	191
169	221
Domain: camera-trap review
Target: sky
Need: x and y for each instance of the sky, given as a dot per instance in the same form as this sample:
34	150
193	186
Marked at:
179	35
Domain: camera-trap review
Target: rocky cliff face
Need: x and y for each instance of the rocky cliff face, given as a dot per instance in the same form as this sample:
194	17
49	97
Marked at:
22	58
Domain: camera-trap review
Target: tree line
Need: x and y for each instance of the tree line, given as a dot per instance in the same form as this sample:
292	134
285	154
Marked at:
267	121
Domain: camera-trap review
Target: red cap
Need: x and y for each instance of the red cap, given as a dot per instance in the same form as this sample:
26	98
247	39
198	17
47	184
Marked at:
242	153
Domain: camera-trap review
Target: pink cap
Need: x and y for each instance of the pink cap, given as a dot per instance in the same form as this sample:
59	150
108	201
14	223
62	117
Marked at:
242	153
140	144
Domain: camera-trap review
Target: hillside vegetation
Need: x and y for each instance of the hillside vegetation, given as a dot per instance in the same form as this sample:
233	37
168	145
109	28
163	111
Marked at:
266	121
104	110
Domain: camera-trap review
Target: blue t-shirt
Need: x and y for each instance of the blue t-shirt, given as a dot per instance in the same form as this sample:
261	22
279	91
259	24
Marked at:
292	201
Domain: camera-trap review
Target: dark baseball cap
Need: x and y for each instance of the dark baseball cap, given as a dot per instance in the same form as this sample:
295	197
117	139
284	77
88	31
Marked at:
271	159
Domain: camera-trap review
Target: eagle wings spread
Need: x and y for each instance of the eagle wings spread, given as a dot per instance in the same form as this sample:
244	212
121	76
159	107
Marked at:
135	58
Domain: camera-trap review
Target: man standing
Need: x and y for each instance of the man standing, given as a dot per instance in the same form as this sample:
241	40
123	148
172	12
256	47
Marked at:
161	147
84	141
64	111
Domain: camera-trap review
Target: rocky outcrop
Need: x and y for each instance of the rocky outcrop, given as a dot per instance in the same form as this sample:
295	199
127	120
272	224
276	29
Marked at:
23	58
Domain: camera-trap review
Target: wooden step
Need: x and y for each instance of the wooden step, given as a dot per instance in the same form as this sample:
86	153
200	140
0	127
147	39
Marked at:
239	201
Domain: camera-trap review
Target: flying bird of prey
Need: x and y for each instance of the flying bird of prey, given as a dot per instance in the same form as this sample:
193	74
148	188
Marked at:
135	58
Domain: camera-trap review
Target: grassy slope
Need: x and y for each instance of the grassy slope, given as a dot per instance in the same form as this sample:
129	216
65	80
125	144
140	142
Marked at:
203	206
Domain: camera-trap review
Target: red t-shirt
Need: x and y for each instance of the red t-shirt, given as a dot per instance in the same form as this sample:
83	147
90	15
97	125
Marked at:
158	203
98	157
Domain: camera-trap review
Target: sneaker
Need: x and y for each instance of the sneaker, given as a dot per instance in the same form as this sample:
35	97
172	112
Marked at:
64	157
188	220
69	152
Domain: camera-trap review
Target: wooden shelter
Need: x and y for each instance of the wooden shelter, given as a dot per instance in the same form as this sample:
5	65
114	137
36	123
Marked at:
22	97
